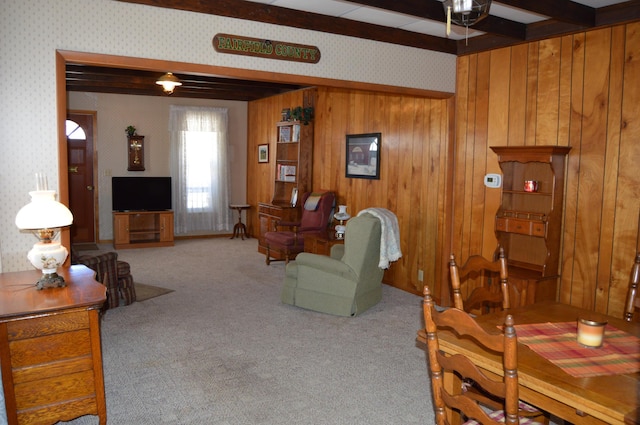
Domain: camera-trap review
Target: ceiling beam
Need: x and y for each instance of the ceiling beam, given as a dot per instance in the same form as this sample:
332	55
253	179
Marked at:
564	17
268	14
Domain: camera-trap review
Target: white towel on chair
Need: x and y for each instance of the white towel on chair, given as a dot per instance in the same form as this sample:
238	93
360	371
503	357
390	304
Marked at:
390	235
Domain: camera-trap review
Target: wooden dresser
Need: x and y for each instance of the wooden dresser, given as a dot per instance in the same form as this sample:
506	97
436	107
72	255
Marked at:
50	348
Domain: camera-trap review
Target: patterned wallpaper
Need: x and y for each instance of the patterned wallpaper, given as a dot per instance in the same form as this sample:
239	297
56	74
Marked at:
32	30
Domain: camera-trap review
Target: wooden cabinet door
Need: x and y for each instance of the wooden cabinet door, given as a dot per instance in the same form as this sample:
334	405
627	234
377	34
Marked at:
121	228
166	227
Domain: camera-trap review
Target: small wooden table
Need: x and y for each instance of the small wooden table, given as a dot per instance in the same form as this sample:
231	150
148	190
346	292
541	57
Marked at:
611	399
239	229
321	243
50	348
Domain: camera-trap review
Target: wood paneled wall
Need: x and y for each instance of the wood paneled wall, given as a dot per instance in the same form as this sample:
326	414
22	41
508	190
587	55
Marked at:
413	174
583	91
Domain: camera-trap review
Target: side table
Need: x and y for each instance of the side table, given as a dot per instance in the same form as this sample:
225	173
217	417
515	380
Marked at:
50	347
321	243
239	229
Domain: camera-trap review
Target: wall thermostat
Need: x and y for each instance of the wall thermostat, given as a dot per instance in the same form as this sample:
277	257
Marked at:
493	180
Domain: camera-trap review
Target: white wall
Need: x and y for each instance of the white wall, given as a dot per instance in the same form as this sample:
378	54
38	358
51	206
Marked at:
32	30
150	114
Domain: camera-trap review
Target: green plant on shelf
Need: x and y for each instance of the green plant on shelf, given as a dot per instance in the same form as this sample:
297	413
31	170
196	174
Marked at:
304	115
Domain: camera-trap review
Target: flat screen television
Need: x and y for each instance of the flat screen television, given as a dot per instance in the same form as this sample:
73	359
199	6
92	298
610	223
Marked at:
141	193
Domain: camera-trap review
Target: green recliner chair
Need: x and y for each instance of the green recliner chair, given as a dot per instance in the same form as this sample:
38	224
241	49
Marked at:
346	283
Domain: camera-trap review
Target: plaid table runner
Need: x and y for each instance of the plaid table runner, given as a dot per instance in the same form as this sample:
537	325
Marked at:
556	342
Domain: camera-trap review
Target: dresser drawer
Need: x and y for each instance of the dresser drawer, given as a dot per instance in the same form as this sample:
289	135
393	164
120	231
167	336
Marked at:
521	226
49	325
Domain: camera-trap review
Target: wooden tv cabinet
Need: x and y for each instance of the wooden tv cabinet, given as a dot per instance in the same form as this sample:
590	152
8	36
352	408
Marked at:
50	349
142	229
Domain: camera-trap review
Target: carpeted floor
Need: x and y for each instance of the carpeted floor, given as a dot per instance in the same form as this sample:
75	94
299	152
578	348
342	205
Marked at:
222	348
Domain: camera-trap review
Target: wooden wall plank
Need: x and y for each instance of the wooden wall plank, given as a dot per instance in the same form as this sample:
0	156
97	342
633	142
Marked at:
611	170
626	232
548	89
531	108
518	76
591	165
573	167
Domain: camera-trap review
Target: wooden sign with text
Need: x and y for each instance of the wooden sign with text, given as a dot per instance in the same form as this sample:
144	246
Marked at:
271	49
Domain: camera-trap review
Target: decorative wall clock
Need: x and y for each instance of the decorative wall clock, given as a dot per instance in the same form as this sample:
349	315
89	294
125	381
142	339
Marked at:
136	153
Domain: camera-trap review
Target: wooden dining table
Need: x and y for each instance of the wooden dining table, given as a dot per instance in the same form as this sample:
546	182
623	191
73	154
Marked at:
605	399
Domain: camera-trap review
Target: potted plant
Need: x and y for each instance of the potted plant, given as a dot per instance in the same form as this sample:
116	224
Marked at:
130	130
304	115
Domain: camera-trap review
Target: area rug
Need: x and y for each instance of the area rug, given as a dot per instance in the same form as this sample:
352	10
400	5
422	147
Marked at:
145	292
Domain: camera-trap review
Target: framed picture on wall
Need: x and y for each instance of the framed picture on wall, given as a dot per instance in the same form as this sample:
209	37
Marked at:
263	153
363	156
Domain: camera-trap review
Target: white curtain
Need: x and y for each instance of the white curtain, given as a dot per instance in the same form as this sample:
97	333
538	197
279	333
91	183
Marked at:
199	169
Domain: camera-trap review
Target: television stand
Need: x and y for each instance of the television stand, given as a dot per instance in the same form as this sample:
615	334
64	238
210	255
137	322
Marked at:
142	229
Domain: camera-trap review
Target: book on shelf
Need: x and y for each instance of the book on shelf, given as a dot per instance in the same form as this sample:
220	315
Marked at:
286	173
284	134
296	133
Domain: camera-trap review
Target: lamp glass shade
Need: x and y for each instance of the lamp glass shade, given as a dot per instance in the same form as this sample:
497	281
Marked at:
342	215
43	215
466	12
43	212
168	82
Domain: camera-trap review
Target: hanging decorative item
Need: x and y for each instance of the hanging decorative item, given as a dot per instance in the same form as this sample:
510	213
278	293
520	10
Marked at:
465	12
136	153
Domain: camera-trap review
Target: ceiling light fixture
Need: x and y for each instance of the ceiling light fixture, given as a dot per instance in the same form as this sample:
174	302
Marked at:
465	12
168	82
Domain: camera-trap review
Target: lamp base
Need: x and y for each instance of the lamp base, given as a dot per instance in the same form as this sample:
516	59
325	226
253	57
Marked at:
50	280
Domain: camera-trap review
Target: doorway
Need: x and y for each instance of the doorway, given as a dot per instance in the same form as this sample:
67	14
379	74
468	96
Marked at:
83	198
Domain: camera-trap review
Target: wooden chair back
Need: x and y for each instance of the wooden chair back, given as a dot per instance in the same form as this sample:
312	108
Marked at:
633	302
485	295
464	325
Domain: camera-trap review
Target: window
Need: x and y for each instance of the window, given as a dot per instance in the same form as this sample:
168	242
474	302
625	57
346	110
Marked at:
74	131
199	168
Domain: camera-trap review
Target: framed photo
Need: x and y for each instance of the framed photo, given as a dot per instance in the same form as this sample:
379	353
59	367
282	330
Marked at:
263	153
363	156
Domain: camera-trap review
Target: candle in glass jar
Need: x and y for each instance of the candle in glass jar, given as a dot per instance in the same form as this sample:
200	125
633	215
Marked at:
590	333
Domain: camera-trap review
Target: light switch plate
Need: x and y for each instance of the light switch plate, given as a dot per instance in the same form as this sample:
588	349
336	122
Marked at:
493	180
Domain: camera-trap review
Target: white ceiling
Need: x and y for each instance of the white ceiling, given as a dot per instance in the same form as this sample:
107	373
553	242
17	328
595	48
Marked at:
357	12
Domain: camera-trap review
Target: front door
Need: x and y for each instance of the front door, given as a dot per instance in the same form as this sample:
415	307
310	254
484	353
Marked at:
82	196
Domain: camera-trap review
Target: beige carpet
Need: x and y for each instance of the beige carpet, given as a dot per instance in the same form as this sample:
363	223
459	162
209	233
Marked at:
145	292
222	349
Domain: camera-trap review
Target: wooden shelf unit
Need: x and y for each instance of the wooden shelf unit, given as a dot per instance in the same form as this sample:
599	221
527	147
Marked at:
142	229
293	160
294	148
528	225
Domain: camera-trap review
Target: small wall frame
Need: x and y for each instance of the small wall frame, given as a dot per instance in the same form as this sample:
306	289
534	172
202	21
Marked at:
263	153
363	156
135	146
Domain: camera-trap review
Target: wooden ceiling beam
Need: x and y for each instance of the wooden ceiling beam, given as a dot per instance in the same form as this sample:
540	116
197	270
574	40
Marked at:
564	17
561	10
265	13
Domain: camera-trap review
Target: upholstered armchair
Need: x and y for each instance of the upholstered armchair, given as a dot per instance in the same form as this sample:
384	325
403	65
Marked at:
112	273
346	283
288	240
